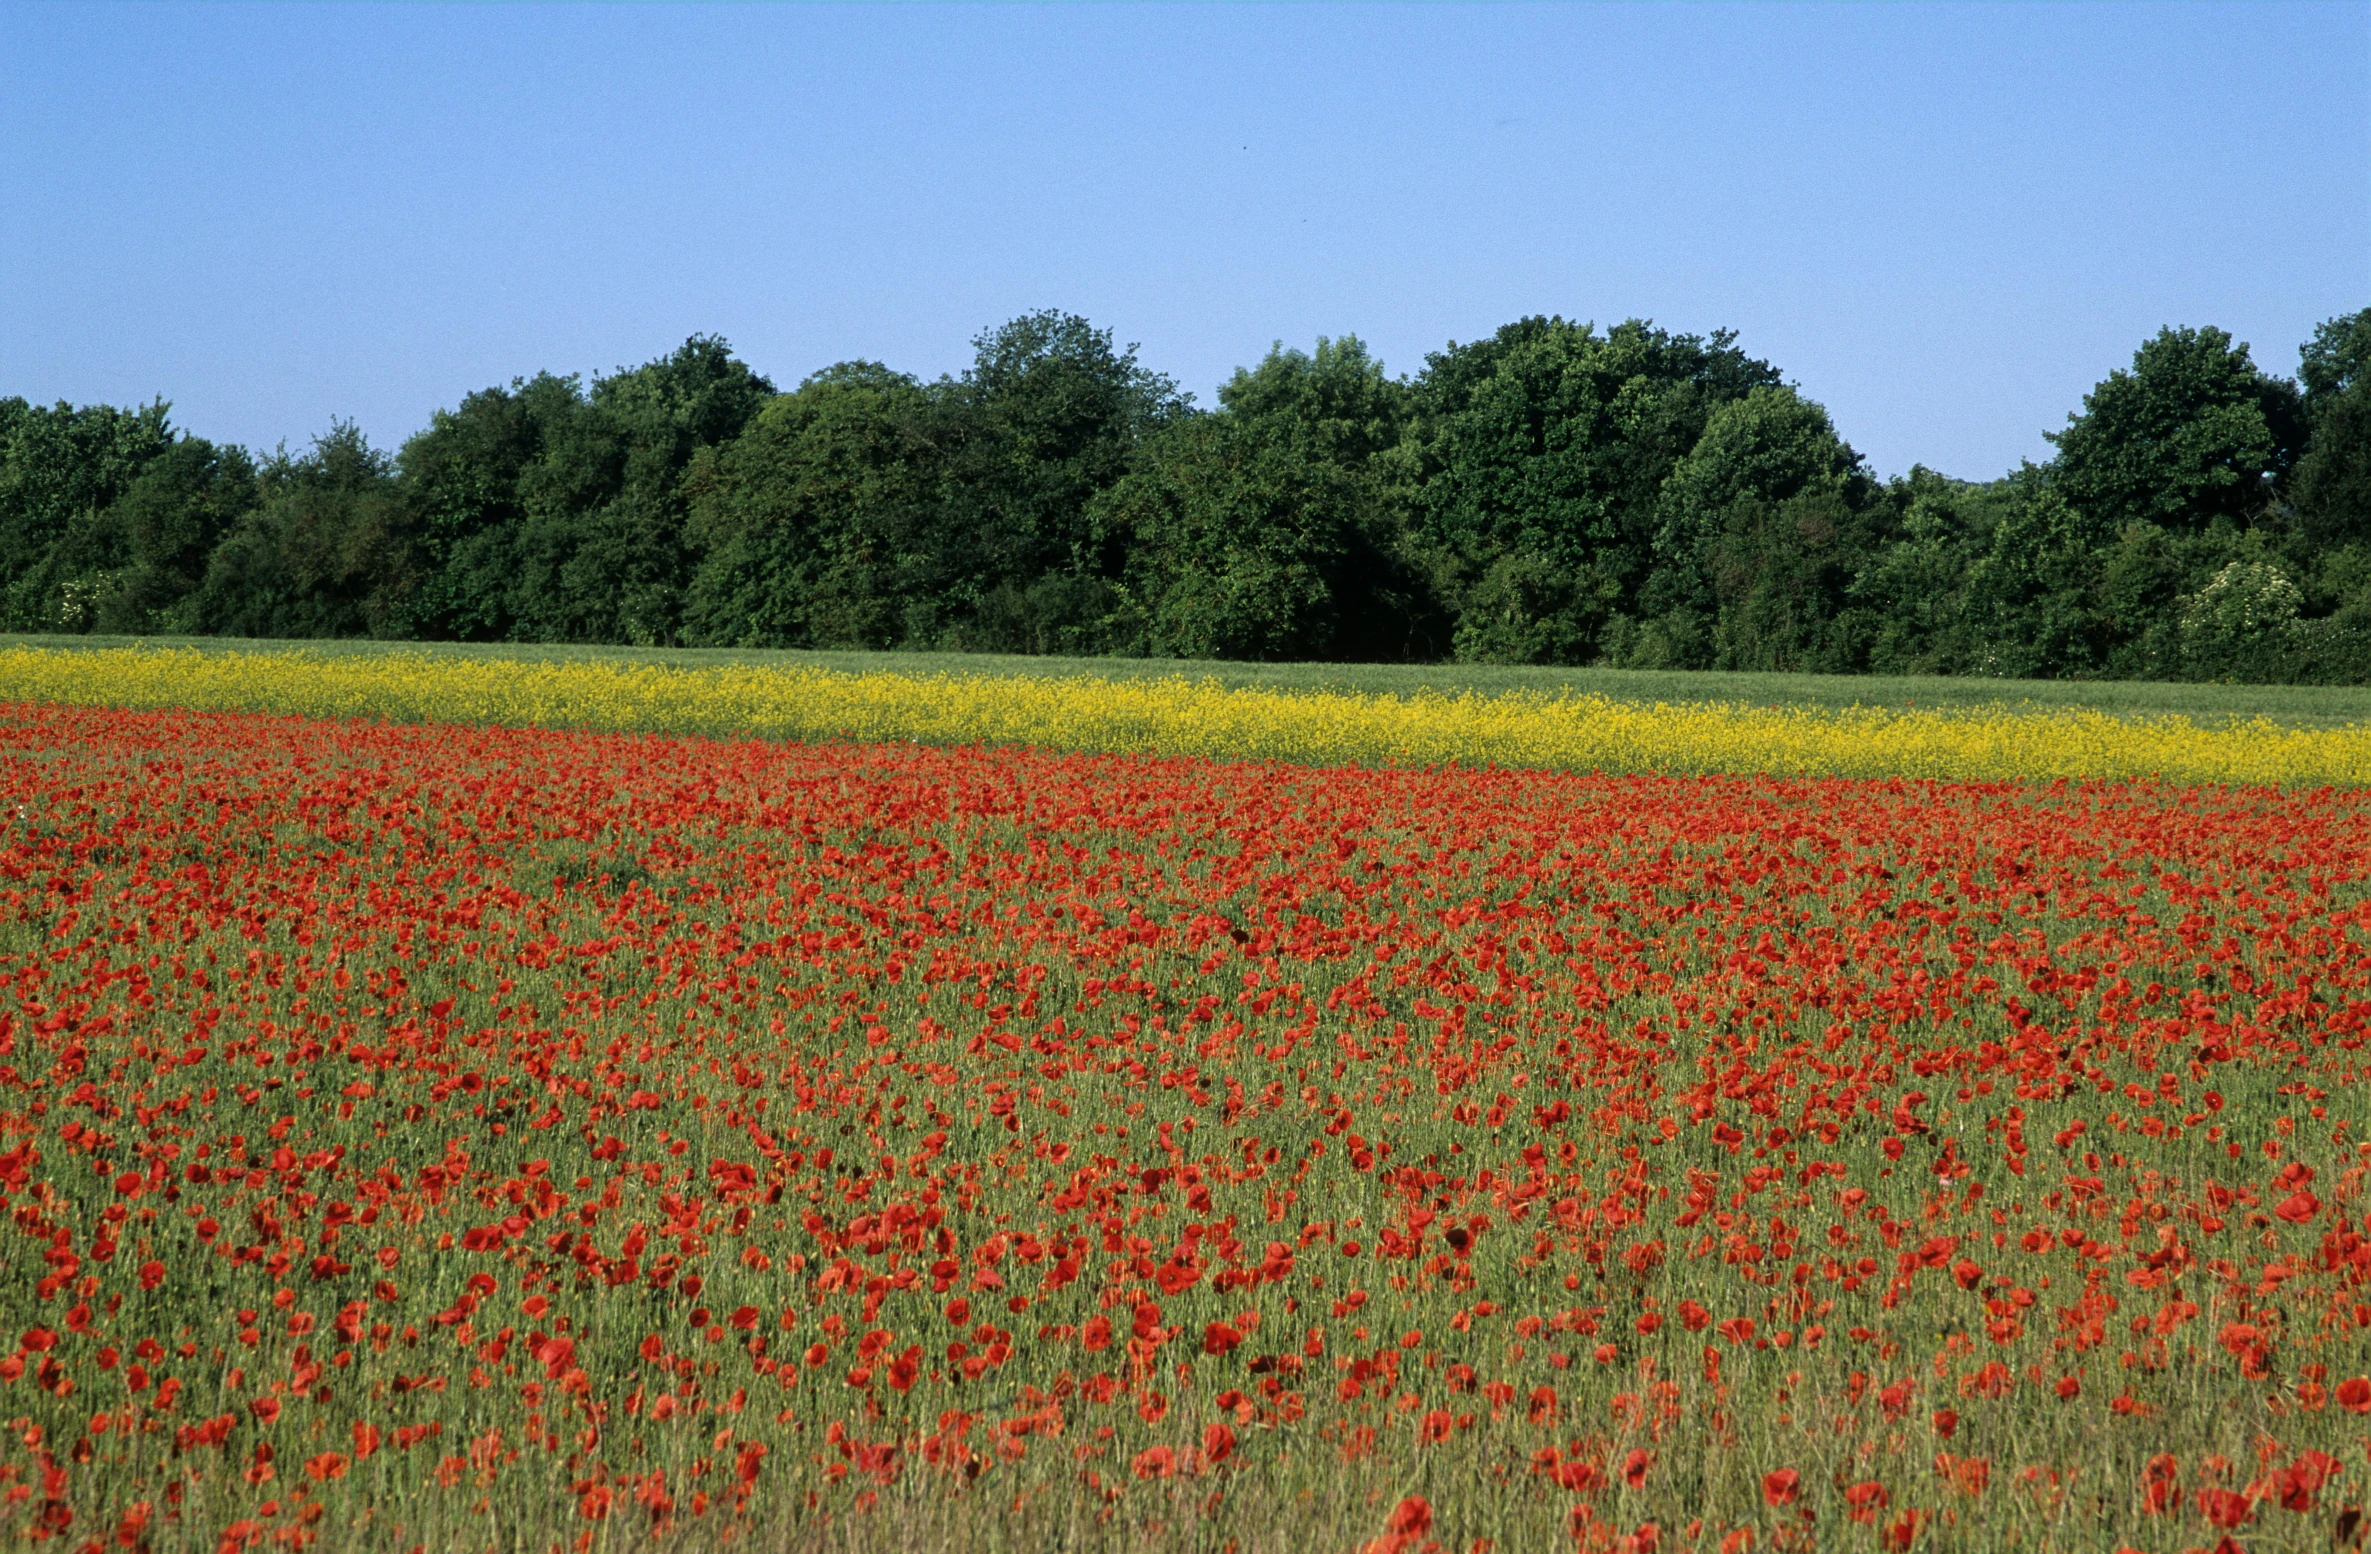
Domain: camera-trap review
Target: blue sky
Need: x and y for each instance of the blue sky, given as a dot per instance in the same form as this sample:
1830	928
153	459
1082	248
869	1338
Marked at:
1945	222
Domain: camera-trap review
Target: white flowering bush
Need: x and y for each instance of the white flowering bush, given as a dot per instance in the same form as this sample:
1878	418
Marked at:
2242	622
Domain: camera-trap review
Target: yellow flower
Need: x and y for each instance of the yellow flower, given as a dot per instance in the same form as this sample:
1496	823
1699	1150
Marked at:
1179	716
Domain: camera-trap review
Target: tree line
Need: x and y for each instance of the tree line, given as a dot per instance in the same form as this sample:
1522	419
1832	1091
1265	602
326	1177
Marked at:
1552	494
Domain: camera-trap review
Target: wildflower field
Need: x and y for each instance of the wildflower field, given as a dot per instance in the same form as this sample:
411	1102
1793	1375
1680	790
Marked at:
459	1136
795	697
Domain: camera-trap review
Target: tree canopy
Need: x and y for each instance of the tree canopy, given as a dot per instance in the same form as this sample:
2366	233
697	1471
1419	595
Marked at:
1552	492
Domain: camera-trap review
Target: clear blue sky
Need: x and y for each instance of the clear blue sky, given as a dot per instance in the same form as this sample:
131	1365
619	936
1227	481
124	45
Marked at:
1945	222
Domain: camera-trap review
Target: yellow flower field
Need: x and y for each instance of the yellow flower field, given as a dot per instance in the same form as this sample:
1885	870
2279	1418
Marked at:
1194	717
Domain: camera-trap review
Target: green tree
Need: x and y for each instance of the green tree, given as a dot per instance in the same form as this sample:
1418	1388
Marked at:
1049	414
2244	623
1533	468
547	512
2163	481
1335	403
160	534
1761	530
2331	489
2192	434
805	522
2335	360
2033	596
468	482
61	467
326	552
602	551
1916	585
1241	544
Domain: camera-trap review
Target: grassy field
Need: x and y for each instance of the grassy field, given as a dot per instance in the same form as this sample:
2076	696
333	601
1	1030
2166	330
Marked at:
2304	706
1316	715
496	1140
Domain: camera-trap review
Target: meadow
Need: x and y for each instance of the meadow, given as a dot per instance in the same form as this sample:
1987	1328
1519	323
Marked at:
1323	715
2206	702
457	1135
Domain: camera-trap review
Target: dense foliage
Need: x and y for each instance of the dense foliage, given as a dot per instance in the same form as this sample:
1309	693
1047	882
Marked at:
1551	494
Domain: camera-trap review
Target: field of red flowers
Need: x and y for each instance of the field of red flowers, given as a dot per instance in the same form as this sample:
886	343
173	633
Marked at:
458	1138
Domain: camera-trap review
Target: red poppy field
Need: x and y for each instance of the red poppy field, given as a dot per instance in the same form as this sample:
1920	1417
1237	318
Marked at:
454	1138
